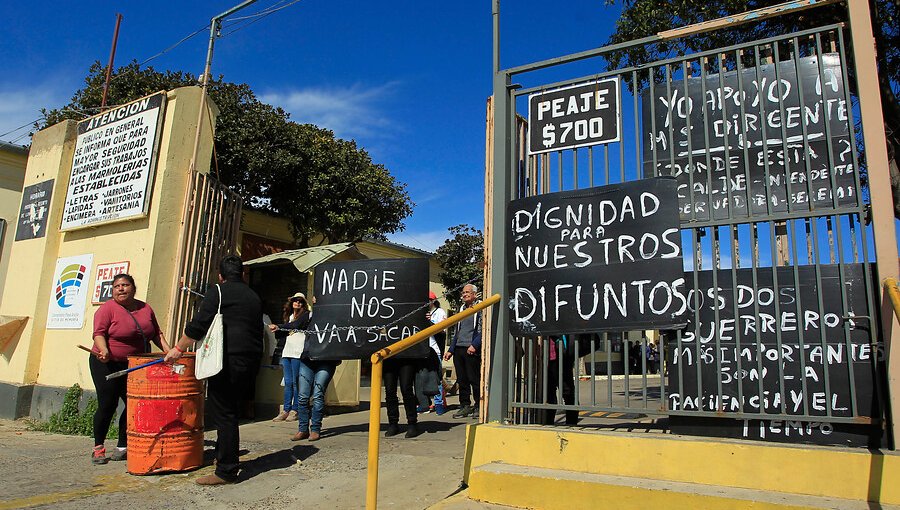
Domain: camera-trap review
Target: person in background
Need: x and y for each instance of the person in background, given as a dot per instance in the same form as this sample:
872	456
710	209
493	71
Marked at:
296	317
402	372
562	355
437	343
652	358
466	352
123	326
242	323
314	378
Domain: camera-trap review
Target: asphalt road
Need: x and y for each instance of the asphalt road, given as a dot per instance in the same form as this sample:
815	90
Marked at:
43	470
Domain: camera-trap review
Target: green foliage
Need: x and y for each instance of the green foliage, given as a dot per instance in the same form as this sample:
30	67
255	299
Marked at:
72	421
462	261
321	184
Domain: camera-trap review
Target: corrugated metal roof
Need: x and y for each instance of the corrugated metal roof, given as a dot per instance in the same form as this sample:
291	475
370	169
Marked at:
303	259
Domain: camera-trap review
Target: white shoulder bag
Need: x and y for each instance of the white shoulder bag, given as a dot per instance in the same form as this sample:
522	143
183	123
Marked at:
211	349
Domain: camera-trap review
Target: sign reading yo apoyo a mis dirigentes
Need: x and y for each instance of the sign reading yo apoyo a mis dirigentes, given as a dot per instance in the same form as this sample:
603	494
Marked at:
112	170
575	116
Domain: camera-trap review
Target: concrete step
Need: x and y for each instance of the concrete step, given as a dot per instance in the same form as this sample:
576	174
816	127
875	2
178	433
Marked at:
850	474
550	489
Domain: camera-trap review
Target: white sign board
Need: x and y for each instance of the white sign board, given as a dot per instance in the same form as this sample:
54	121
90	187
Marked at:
104	280
69	293
112	170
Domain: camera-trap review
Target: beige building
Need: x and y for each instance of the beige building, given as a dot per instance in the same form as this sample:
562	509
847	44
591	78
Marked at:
39	358
12	178
45	315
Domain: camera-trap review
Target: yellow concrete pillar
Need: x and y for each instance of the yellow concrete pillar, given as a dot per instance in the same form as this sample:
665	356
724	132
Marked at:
49	357
32	262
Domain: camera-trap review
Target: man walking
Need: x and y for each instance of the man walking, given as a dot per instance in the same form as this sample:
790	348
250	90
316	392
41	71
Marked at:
243	327
465	349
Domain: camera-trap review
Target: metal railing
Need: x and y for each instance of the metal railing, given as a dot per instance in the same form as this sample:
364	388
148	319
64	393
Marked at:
779	291
375	398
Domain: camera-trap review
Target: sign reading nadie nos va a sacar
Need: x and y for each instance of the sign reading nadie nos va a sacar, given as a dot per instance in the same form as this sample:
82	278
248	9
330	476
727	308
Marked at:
113	165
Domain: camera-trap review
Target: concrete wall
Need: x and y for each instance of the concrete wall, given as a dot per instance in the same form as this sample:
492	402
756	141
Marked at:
49	357
12	178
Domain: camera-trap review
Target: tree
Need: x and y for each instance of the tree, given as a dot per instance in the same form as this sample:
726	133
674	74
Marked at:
462	260
321	184
641	18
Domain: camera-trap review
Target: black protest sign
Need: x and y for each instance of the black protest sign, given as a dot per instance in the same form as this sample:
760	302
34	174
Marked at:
365	305
756	142
857	435
603	258
576	116
34	211
784	372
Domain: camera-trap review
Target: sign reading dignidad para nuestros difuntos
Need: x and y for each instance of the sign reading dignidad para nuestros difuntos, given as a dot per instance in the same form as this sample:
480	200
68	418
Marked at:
606	258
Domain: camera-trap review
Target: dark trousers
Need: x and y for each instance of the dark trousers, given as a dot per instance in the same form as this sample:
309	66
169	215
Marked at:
108	395
568	387
402	371
468	376
224	394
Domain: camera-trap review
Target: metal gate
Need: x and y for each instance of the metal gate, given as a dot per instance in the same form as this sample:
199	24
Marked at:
211	232
782	303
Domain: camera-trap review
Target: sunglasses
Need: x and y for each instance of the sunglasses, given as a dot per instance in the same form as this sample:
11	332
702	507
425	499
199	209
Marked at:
300	300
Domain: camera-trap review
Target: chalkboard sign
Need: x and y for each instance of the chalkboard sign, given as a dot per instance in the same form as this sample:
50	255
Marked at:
783	431
792	375
574	116
34	211
746	143
603	258
368	295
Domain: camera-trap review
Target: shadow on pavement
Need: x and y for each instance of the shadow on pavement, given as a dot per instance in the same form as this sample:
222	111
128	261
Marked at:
276	460
427	426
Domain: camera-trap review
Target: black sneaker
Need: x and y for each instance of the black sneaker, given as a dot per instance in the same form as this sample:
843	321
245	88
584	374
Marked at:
392	430
463	412
118	454
412	430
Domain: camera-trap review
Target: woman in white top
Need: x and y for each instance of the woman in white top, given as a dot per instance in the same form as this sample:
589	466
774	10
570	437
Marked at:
296	316
437	343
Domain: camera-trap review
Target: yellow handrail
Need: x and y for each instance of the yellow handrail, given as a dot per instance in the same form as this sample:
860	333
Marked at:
890	285
375	399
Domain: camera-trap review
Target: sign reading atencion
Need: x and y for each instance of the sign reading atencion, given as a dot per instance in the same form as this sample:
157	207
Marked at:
112	170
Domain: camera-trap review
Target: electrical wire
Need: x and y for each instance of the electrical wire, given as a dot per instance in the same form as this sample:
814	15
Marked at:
172	47
258	17
426	248
265	12
11	131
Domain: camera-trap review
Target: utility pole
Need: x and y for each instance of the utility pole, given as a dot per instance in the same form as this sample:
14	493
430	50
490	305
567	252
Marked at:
112	57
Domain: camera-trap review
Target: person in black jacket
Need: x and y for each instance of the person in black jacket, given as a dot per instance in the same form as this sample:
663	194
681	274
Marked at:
243	327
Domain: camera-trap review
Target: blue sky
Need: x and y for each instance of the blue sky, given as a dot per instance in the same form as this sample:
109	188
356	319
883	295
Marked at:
407	80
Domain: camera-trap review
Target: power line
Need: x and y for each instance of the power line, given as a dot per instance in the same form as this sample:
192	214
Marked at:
415	240
172	47
265	12
258	16
11	131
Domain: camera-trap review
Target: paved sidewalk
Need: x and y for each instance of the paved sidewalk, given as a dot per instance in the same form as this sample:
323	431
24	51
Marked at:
53	471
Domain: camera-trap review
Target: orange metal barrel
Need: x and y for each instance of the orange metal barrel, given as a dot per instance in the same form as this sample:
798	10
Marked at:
165	417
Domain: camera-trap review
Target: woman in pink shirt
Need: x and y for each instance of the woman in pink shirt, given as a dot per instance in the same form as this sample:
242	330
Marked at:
123	326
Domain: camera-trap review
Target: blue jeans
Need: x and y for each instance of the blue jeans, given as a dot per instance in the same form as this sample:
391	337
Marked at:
291	368
314	379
